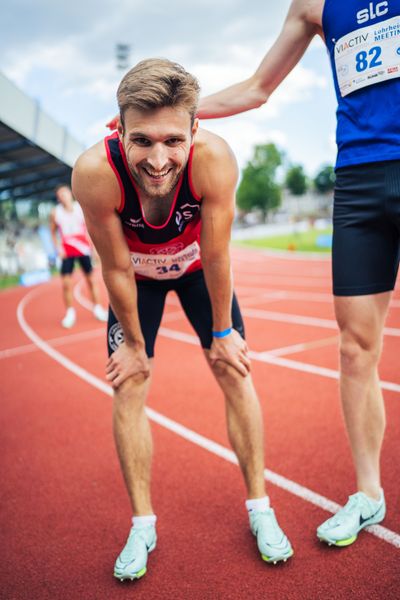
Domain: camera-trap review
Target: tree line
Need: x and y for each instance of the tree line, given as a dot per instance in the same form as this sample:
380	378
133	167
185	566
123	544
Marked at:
259	188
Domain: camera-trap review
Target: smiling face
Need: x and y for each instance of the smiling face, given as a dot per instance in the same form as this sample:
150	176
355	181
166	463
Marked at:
157	145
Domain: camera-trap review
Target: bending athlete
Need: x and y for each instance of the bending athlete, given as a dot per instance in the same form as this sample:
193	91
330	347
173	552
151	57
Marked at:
362	40
159	197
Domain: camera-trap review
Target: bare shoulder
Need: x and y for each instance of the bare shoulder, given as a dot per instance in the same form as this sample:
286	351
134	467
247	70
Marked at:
214	164
92	161
93	177
209	148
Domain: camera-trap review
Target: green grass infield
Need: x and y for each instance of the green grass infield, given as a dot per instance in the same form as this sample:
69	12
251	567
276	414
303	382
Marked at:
314	240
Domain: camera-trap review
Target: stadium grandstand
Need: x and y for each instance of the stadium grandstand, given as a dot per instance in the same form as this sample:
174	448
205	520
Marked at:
36	154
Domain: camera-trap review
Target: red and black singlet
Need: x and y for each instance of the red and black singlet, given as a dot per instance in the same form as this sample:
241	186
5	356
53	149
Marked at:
158	251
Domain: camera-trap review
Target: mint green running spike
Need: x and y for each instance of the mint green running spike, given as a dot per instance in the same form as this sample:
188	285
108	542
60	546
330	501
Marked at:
360	511
272	543
131	563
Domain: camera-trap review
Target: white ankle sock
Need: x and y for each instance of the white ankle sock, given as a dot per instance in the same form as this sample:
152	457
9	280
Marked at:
260	504
139	522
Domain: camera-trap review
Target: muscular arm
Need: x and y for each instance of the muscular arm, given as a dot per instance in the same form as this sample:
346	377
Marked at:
217	214
300	26
98	194
219	174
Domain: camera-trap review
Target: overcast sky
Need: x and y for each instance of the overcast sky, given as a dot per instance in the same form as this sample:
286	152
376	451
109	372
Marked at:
63	54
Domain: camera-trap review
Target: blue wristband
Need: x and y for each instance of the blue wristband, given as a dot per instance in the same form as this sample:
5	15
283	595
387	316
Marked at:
222	334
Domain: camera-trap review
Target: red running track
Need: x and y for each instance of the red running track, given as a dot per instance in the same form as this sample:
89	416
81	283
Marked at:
65	512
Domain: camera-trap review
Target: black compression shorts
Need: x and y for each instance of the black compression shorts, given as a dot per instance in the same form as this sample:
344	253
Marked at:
193	295
67	265
366	229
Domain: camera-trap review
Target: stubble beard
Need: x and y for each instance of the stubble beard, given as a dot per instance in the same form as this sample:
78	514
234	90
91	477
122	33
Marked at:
154	191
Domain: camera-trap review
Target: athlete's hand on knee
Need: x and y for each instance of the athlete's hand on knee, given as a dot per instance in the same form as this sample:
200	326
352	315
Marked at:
125	362
232	350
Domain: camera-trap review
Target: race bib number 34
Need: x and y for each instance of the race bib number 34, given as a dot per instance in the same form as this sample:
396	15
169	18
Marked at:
368	56
165	266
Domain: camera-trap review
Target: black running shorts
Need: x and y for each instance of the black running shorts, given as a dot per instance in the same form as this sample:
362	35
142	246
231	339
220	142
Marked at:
193	295
366	229
67	265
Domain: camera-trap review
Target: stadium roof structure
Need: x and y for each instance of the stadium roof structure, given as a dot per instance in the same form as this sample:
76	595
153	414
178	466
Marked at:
36	153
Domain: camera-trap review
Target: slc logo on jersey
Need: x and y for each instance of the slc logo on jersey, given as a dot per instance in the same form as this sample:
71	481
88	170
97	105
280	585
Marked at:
372	12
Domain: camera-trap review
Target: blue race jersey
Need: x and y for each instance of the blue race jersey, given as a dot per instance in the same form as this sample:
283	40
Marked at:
363	41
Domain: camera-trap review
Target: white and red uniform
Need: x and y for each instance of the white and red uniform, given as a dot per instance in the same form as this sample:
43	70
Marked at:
73	232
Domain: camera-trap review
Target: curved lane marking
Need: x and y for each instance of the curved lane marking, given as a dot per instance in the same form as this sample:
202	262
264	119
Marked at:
195	438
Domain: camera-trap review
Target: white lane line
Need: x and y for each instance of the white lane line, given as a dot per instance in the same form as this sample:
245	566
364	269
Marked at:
259	313
58	341
266	357
287	295
309	368
270	315
264	280
74	337
294	488
278	361
303	347
83	301
10	352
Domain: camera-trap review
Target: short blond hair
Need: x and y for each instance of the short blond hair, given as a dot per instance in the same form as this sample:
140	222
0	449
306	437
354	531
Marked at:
156	83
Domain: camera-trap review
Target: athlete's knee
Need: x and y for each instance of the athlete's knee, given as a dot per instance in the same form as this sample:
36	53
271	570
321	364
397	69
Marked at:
130	395
358	353
225	372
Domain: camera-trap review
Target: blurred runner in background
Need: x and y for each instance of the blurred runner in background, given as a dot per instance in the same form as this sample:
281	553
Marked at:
72	242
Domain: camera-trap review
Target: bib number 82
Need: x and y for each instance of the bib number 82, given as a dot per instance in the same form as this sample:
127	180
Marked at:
362	59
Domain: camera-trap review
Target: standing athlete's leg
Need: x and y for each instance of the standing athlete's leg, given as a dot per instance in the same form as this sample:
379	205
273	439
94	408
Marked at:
365	261
133	438
66	281
361	320
244	420
67	267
